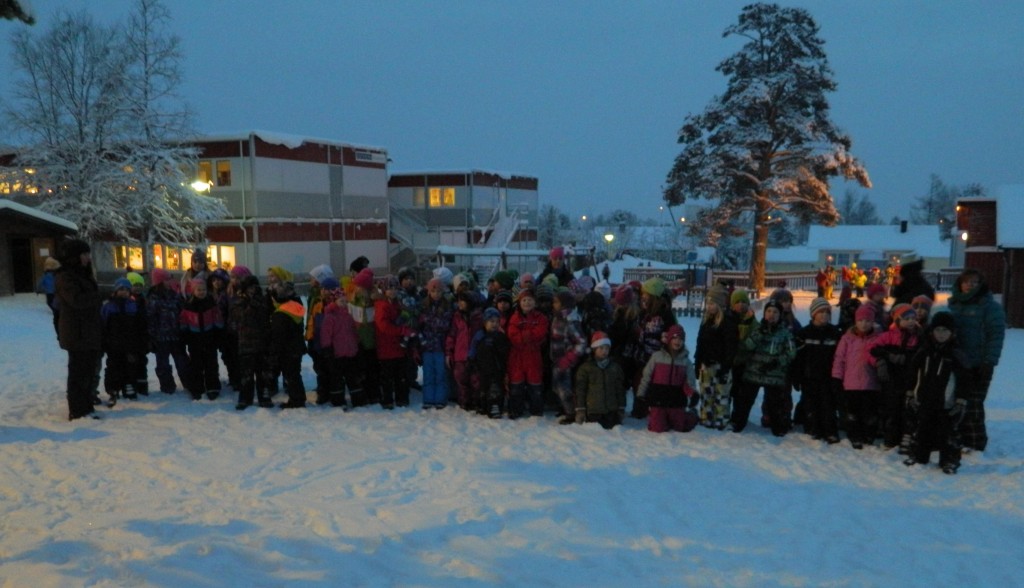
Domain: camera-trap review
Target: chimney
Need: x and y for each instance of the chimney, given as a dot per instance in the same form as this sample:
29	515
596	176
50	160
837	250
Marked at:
903	226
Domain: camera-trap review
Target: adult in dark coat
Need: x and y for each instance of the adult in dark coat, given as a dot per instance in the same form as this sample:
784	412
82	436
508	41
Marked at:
912	283
79	327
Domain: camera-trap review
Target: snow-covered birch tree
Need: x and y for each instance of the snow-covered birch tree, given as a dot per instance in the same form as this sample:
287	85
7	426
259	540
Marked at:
96	110
766	148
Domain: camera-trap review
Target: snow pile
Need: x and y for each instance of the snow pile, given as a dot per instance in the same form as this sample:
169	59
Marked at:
170	492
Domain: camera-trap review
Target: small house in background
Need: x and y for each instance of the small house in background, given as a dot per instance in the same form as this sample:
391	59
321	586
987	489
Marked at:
989	230
879	245
27	237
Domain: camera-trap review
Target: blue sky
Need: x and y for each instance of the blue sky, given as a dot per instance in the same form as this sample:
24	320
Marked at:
588	95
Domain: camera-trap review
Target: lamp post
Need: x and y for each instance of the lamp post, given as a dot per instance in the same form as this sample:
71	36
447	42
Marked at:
608	237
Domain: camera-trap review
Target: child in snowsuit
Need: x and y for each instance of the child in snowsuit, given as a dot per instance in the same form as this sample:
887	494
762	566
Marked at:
854	376
339	344
812	373
527	332
361	305
568	346
939	394
391	330
890	353
668	384
142	366
250	323
467	321
287	344
124	342
48	285
600	386
201	324
217	286
772	351
434	322
655	316
490	358
163	311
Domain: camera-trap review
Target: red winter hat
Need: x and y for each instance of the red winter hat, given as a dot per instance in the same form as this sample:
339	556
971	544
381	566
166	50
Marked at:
864	313
557	253
599	338
875	289
364	279
673	332
159	276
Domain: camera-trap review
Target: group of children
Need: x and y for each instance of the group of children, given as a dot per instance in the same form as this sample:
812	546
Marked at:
554	342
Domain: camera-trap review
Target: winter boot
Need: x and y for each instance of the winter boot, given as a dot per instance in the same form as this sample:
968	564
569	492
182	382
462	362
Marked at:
906	444
516	400
129	392
536	399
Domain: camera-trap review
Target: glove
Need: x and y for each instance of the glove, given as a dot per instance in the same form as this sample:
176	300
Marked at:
897	358
882	369
956	414
985	372
581	416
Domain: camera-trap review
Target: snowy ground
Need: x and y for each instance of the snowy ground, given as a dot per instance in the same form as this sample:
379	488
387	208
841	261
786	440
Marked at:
170	492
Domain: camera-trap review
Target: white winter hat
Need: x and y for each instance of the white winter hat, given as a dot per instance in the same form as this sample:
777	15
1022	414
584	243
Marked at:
321	272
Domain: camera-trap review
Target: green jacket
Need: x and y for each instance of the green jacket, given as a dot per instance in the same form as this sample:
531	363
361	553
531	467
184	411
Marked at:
980	326
600	390
772	349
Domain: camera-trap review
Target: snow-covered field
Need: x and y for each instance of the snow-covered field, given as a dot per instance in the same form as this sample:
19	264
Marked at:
170	492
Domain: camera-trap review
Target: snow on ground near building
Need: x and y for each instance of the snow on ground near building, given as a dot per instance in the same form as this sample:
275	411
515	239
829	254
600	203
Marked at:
170	492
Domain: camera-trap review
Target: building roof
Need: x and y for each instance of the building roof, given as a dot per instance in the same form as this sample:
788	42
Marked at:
924	240
35	213
1010	217
288	140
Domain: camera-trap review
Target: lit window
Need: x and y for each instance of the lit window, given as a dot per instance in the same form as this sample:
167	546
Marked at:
205	172
158	256
223	173
172	260
419	198
223	256
128	258
442	197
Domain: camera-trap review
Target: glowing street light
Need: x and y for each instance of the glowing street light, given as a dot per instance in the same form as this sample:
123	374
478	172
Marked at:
201	186
608	237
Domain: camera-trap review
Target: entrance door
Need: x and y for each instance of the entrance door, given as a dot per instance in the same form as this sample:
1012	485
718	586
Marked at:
21	264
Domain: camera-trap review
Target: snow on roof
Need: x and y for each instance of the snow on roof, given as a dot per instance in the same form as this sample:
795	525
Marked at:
1010	216
288	140
36	213
462	171
921	239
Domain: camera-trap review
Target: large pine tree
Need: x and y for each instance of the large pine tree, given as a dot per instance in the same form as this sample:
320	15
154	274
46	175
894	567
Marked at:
766	148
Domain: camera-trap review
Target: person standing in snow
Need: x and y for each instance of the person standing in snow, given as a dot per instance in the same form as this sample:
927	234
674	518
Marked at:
48	284
527	333
772	350
941	384
391	330
490	356
812	373
286	343
248	315
124	341
556	266
340	345
655	316
717	342
568	347
890	354
435	320
201	323
163	311
79	327
467	321
669	386
980	330
853	374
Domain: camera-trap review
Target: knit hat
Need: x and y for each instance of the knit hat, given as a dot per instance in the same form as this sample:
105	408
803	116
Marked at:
875	289
566	299
199	256
51	264
922	299
943	319
321	273
330	283
122	283
436	285
136	279
719	295
281	273
160	275
491	314
240	271
220	274
623	296
782	295
444	274
864	313
901	309
505	295
359	264
544	292
364	279
525	293
598	339
771	304
819	304
505	279
740	296
463	278
551	281
391	283
557	253
654	286
406	272
672	332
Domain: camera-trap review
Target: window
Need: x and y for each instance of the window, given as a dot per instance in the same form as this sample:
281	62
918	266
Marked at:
222	256
205	172
442	197
223	173
127	257
419	198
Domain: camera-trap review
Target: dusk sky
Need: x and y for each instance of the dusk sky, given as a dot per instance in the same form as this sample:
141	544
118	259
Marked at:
588	95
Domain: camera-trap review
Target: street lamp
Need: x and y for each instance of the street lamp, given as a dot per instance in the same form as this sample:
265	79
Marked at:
608	237
201	186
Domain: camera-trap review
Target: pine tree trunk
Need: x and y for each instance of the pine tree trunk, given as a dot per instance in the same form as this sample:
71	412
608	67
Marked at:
757	257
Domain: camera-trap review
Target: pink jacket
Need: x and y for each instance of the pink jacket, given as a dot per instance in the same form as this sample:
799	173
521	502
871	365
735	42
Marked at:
338	331
852	363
